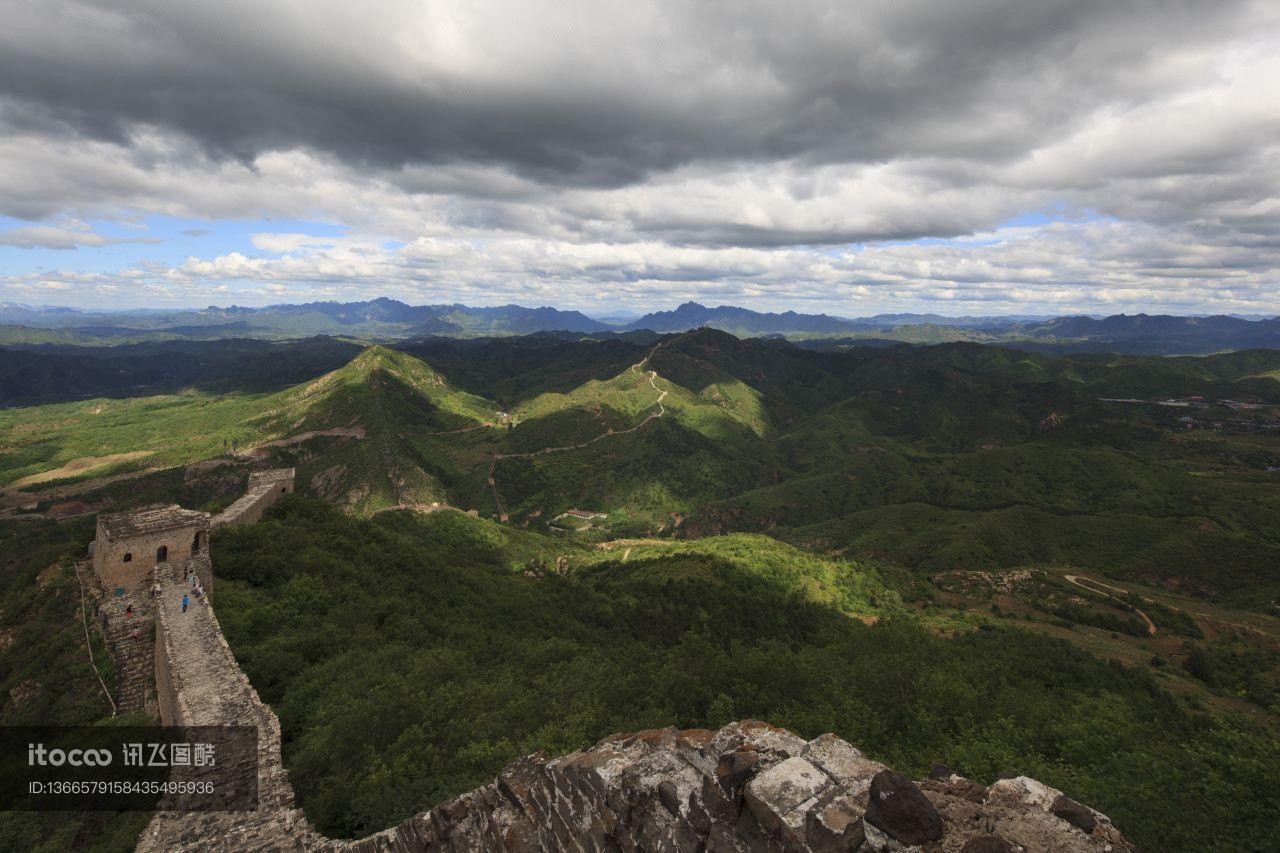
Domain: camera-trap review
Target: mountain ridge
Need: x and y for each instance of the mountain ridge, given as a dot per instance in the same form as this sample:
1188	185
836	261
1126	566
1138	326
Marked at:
384	319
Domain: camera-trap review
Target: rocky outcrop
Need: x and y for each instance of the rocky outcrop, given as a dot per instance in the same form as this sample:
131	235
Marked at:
748	787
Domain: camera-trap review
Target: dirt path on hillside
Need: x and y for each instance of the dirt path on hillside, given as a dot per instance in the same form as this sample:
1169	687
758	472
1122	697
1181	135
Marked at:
1209	617
1076	579
258	451
638	367
482	425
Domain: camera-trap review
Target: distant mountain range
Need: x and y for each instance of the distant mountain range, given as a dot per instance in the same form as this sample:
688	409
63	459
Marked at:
377	317
744	322
389	319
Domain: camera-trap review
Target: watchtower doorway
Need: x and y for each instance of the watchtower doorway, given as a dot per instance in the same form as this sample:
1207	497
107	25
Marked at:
162	554
195	543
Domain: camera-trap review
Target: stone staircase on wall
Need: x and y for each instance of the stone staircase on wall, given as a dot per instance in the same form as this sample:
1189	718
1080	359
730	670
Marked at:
130	639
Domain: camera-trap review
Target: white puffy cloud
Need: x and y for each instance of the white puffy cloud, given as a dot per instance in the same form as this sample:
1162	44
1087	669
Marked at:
1102	266
647	151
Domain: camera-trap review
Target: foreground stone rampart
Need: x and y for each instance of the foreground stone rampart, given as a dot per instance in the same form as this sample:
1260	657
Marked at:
748	787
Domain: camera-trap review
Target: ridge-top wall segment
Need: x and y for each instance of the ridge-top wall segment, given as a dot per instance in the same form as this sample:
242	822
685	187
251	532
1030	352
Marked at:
265	488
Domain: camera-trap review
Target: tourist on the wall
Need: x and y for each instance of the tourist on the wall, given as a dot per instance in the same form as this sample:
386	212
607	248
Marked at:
184	602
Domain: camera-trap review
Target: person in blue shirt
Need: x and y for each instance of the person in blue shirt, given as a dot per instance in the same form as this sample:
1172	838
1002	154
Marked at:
184	602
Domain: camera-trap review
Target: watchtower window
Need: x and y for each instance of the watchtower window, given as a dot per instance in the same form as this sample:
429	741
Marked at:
195	543
162	554
127	558
284	489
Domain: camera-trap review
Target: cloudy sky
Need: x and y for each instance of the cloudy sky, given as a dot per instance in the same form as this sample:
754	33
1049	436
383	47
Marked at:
987	156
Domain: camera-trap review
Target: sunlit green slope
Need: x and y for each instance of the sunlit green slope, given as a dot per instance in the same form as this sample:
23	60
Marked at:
379	401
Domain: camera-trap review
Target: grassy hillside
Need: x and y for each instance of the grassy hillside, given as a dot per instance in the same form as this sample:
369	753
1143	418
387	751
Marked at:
1012	456
394	399
386	394
76	440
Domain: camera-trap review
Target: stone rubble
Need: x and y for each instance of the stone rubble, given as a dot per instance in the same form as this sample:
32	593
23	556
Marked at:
748	788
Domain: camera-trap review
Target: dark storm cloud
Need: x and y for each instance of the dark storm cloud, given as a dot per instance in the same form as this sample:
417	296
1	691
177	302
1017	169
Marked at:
633	150
592	94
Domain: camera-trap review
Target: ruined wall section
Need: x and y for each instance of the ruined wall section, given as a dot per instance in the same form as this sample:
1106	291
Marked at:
265	488
747	787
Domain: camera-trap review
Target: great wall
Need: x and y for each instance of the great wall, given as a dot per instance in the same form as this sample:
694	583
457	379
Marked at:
746	788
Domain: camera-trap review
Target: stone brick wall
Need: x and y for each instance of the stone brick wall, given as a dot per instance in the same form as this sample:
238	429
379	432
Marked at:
200	684
166	693
112	570
202	566
127	624
128	627
265	488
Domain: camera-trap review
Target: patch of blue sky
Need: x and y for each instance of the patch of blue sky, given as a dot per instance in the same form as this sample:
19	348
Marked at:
1055	213
163	240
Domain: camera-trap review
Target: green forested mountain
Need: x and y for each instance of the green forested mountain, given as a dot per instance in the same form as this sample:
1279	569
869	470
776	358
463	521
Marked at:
61	373
1130	465
468	648
1007	561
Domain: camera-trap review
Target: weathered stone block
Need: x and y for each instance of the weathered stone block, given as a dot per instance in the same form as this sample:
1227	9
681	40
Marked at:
774	794
846	766
834	823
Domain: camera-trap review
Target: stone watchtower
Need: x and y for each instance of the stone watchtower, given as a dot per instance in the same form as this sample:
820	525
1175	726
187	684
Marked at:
130	552
129	545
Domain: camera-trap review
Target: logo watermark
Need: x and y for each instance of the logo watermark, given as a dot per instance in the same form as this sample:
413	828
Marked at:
128	768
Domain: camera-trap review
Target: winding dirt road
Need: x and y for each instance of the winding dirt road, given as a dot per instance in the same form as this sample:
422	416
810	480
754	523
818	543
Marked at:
1077	580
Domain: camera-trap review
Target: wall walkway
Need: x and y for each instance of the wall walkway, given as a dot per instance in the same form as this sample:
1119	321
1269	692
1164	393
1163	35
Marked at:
200	684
